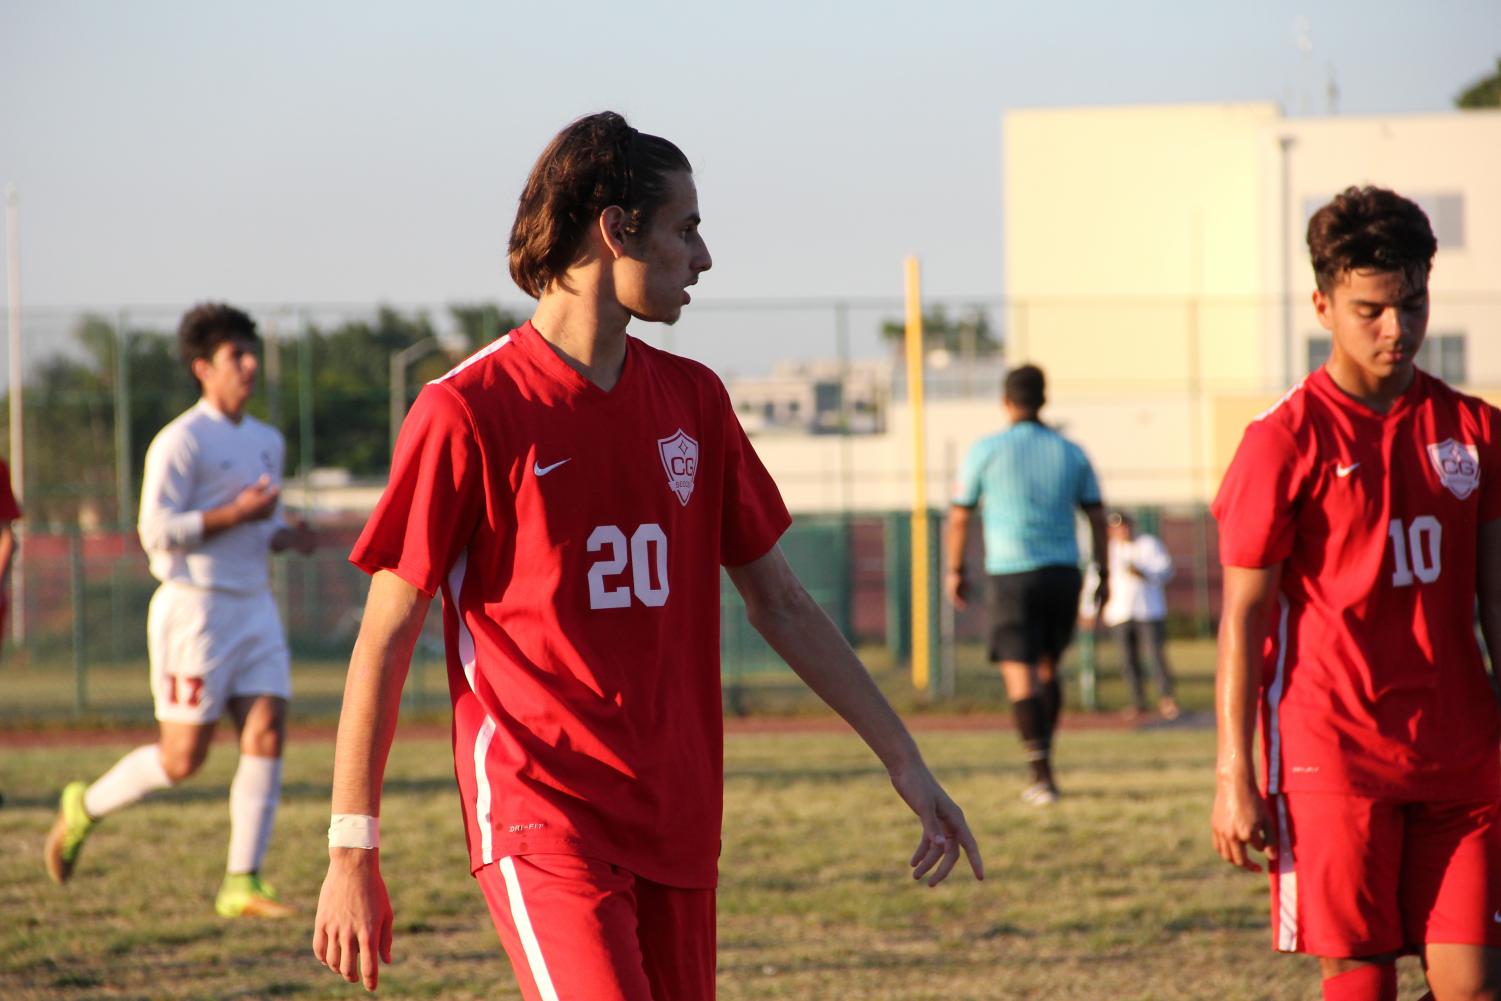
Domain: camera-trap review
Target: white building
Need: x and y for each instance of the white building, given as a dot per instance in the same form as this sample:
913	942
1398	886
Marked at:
1157	270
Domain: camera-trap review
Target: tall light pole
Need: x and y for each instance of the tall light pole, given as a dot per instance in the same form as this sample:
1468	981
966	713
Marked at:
399	362
921	646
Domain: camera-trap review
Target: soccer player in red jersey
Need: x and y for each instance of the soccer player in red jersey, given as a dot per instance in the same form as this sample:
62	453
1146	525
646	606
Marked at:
573	493
1360	520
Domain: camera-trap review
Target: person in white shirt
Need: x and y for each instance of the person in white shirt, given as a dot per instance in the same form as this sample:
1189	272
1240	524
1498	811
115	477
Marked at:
1140	567
210	514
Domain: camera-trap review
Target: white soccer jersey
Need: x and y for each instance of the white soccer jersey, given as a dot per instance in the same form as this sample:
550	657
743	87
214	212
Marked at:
1136	597
202	460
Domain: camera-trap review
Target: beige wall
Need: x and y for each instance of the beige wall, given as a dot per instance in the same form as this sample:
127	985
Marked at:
1148	256
1413	154
1116	218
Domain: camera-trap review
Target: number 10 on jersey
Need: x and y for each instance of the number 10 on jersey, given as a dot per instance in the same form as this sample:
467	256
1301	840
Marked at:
1416	550
646	550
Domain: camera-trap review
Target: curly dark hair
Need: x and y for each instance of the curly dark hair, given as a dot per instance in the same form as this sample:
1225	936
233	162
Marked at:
208	325
595	162
1369	229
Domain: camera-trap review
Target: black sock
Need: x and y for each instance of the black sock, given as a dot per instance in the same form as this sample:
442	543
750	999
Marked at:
1052	700
1031	724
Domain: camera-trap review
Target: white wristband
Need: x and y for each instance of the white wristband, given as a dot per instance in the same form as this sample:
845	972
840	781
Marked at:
353	830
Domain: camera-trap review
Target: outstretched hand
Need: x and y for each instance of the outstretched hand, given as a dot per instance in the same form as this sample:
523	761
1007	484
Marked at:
944	831
352	932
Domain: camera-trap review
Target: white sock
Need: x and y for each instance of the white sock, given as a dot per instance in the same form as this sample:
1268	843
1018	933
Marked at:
253	796
133	776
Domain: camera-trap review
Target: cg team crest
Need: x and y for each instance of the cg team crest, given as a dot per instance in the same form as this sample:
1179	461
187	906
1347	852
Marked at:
1458	466
680	458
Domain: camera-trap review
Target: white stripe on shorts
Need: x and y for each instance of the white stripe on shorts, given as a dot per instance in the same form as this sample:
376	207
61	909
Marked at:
1287	883
1274	701
525	932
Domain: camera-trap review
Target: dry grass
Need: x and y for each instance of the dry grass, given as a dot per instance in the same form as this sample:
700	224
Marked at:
1113	893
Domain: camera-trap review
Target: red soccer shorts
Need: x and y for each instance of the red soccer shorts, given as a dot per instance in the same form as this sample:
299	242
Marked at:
1362	877
580	928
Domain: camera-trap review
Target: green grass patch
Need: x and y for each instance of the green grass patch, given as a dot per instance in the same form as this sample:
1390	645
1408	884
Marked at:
1113	893
37	692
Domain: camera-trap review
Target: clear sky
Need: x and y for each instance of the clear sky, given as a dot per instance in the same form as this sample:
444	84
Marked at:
373	151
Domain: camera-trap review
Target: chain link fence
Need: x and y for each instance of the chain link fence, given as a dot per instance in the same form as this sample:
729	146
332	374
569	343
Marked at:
818	383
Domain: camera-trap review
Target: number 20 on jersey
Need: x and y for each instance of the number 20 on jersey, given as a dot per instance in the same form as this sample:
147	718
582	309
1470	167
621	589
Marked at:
631	563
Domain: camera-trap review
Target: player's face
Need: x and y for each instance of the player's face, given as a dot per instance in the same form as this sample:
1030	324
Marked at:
1377	320
228	376
652	279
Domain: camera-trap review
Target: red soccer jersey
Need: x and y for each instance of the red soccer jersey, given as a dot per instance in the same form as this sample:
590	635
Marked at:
576	537
1373	682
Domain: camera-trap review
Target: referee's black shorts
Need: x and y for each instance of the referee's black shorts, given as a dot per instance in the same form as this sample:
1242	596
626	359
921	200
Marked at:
1032	614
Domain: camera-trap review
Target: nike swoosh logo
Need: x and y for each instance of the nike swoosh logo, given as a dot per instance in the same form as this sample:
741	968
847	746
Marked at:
540	470
1343	471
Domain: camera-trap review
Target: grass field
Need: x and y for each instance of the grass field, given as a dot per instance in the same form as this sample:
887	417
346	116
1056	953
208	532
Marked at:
40	692
1112	894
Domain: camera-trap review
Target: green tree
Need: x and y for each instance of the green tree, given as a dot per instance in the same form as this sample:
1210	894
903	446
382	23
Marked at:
70	420
1483	93
968	335
480	324
71	401
70	449
351	389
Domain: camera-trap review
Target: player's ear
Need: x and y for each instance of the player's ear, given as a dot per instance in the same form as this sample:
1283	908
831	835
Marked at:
1323	306
612	230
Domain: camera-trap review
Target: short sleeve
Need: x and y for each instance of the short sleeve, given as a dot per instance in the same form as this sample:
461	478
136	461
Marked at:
967	485
427	514
1256	507
753	517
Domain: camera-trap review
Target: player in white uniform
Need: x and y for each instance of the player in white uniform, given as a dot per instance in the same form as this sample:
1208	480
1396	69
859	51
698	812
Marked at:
209	515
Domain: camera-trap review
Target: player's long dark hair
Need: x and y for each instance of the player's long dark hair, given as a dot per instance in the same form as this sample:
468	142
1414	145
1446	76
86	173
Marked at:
595	162
1369	229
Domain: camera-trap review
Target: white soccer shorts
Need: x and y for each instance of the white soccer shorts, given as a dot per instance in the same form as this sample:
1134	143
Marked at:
207	647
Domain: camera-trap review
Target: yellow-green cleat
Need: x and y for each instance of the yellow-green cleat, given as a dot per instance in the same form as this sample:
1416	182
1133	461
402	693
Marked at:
243	895
66	837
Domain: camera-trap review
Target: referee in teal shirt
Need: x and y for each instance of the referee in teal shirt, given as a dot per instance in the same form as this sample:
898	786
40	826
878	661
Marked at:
1027	481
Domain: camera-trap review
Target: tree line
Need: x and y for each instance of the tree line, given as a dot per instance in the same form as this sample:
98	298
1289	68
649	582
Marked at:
336	378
